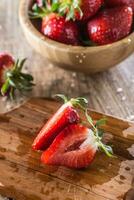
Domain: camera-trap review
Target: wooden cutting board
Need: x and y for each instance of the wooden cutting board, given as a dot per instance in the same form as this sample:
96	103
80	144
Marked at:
23	177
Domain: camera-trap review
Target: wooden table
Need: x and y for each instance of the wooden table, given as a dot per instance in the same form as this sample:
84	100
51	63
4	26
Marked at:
111	92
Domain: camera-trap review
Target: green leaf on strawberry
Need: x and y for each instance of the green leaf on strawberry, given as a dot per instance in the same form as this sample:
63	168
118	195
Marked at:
14	79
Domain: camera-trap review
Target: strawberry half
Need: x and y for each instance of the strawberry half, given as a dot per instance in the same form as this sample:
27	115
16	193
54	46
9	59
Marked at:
63	117
110	25
74	147
11	76
115	3
68	143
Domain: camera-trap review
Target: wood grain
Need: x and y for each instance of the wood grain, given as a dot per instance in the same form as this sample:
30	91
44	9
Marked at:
100	89
22	176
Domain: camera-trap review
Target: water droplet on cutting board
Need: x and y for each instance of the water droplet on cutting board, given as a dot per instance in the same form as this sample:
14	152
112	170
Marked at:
131	150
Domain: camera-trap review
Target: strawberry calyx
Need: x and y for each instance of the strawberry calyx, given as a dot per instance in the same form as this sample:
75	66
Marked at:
81	103
44	10
71	8
15	79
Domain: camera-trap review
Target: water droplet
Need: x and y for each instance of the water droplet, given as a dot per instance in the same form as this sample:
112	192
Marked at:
131	118
74	74
72	85
77	56
127	168
119	90
131	150
129	40
123	98
80	61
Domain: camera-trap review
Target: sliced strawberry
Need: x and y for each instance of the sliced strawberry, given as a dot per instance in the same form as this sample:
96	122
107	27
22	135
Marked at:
64	116
115	3
74	147
110	25
6	63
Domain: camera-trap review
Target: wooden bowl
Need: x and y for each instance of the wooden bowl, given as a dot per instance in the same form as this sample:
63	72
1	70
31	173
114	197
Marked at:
83	59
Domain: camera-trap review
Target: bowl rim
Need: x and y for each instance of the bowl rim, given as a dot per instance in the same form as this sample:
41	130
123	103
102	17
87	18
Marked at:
26	23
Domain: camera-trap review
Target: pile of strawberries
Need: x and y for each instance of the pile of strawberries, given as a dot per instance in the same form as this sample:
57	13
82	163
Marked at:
85	22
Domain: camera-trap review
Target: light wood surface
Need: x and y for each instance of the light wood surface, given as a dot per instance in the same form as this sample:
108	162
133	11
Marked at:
23	177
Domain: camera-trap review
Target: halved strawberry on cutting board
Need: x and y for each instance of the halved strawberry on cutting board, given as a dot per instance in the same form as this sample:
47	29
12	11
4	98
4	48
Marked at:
74	147
65	115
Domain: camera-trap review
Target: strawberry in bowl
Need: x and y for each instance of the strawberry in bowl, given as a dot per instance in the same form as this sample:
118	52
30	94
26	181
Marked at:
110	25
68	142
60	20
77	35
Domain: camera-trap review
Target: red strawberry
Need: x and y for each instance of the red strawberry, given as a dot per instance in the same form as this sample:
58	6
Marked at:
6	63
74	147
64	116
114	3
80	10
11	76
110	25
57	28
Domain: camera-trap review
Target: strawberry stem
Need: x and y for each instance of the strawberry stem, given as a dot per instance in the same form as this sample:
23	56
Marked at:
41	12
70	8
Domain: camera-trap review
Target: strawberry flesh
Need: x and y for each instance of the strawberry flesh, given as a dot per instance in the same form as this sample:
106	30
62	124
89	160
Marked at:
64	116
110	25
74	147
6	62
115	3
57	28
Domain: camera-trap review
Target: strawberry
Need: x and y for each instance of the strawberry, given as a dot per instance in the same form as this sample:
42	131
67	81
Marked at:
115	3
11	76
80	9
74	147
65	115
6	63
57	28
110	25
